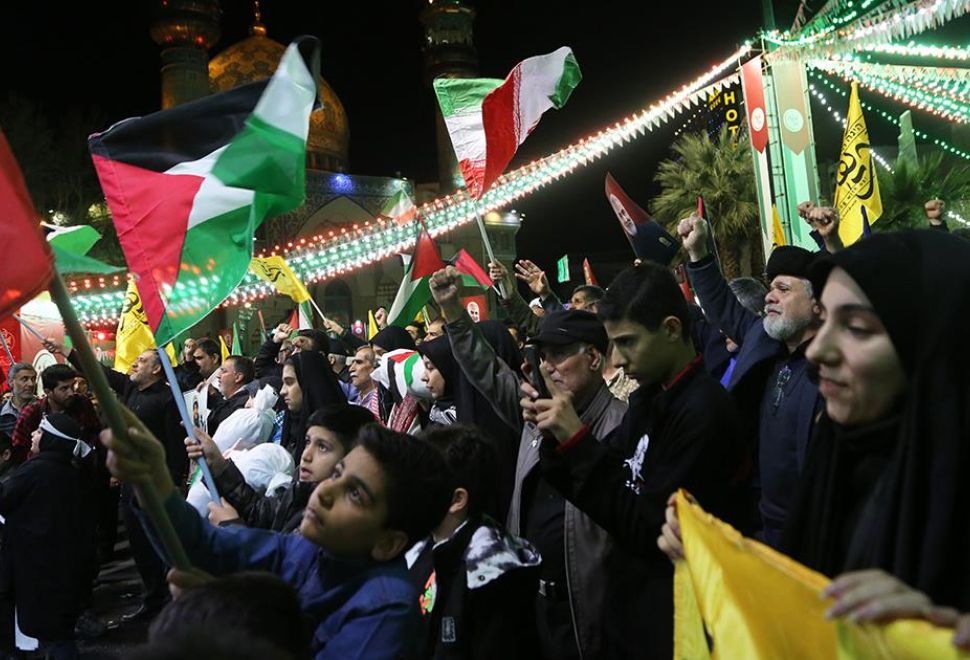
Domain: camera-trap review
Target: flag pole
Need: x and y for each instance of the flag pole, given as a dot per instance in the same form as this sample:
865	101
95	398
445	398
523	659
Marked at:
6	349
29	328
488	248
150	501
187	421
319	311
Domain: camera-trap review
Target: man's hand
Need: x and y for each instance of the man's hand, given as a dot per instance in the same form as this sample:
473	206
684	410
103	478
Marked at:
203	446
332	326
179	581
669	540
281	332
534	276
934	211
499	273
56	347
825	220
694	231
874	595
804	208
555	416
445	284
380	317
138	459
220	514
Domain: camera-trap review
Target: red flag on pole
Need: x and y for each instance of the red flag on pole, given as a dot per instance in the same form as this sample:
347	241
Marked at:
25	276
588	274
752	81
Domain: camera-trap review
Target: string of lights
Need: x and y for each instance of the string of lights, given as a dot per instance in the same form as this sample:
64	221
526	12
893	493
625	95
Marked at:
350	249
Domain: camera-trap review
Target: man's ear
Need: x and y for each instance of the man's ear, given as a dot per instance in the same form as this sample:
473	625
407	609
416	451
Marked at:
459	501
595	359
672	328
389	545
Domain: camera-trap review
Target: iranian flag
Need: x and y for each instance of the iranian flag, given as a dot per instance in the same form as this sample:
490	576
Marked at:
488	119
400	208
187	187
415	291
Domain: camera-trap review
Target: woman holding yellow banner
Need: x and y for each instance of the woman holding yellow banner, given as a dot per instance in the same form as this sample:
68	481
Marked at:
884	500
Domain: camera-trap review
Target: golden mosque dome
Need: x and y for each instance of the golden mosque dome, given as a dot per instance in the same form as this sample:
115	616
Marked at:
255	58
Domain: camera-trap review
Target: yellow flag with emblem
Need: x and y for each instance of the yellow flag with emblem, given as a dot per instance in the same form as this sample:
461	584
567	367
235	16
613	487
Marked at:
856	185
777	233
223	348
134	336
737	598
371	325
277	272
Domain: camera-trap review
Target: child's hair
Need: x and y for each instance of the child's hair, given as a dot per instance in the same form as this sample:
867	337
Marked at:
471	460
196	641
416	481
258	603
646	294
344	421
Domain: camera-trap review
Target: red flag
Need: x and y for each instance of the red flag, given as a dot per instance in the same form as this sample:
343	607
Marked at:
647	238
588	274
25	275
466	265
752	81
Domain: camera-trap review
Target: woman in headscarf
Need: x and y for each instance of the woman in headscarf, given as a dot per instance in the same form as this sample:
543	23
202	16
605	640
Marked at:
390	339
441	375
48	553
309	384
884	485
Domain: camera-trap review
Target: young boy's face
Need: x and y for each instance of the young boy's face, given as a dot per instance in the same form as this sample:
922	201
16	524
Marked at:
346	513
320	455
643	354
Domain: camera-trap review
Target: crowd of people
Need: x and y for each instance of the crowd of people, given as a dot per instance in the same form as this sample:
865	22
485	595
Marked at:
465	488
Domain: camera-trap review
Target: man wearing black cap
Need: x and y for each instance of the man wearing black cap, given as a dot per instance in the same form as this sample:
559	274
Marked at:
681	431
770	381
577	555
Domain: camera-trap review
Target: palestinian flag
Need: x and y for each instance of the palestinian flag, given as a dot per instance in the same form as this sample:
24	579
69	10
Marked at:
302	317
187	187
488	119
400	208
71	245
401	372
471	273
415	291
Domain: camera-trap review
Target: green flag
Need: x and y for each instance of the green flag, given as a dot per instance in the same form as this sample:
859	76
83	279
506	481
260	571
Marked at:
563	266
237	348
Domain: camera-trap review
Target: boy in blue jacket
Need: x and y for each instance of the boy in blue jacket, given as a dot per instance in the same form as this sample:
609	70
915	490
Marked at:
347	563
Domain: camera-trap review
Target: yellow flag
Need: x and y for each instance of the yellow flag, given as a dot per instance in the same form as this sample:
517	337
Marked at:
777	233
170	352
856	184
134	337
224	350
371	325
276	271
754	602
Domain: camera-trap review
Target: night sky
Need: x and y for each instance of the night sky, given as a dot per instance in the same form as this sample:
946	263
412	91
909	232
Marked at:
99	55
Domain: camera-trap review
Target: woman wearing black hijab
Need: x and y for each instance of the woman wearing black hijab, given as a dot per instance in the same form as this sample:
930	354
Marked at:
309	384
885	484
48	552
442	376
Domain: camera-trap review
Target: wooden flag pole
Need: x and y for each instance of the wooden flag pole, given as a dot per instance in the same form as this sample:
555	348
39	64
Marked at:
319	311
150	501
7	350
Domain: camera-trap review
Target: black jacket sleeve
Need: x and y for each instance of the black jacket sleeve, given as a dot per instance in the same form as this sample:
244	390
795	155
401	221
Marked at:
176	457
265	360
720	306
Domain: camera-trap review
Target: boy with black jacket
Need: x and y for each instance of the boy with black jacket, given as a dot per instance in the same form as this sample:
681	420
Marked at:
681	431
331	434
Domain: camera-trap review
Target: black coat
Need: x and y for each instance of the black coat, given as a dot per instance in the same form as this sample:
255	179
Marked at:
265	361
280	513
683	436
482	604
49	544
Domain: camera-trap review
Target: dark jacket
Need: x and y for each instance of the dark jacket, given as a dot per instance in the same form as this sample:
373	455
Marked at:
49	544
280	513
477	594
589	551
682	435
188	376
225	407
356	609
157	410
265	361
781	425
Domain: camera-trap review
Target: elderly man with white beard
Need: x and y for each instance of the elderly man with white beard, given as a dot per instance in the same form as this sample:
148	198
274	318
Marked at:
770	383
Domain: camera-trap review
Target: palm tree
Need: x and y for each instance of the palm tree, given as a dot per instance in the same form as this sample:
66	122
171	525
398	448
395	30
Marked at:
906	189
720	171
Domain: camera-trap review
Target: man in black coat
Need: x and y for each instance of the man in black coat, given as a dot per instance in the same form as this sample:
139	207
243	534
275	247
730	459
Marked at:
147	394
770	381
237	372
681	431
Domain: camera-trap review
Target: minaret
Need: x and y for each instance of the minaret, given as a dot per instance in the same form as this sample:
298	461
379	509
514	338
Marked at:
186	30
449	52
